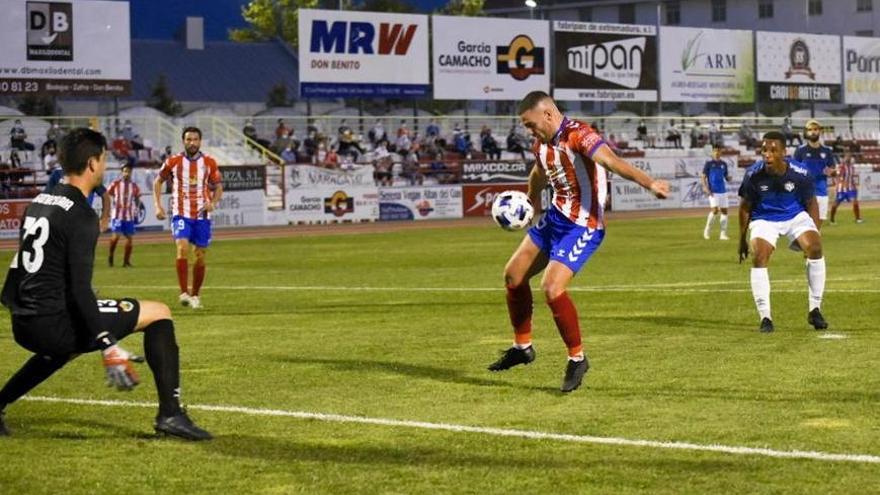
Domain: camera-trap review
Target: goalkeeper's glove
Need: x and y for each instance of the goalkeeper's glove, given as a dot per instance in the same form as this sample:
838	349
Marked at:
117	364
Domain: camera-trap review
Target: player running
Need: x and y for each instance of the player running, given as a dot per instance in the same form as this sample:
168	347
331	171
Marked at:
573	159
714	179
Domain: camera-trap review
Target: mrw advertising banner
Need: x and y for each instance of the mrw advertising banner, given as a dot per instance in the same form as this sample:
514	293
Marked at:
706	65
77	48
369	54
798	67
594	61
481	58
861	70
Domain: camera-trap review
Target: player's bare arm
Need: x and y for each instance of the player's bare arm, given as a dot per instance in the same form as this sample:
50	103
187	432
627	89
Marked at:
157	197
608	159
104	221
705	182
215	199
745	216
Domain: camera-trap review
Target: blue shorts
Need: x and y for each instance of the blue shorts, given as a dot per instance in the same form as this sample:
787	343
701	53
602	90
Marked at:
847	196
565	241
196	231
124	227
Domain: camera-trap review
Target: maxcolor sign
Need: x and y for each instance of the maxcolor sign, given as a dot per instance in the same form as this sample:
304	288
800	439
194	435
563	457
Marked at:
861	70
77	48
706	65
798	67
489	59
595	61
369	54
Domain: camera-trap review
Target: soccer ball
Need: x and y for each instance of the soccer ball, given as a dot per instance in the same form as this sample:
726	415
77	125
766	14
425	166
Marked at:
512	210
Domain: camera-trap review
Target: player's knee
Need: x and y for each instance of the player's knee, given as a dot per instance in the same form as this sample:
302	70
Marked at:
552	290
814	251
152	311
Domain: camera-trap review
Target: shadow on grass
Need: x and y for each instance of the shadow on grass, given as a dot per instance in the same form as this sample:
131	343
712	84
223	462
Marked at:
376	453
78	429
742	394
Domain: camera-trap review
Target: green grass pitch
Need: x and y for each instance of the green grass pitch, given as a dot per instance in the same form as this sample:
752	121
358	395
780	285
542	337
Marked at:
401	326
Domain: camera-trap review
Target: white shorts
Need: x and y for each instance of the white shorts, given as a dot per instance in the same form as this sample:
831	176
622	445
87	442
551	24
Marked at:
794	228
823	207
718	200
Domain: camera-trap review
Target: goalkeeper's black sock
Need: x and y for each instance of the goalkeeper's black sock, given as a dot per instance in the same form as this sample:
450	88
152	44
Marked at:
162	353
34	372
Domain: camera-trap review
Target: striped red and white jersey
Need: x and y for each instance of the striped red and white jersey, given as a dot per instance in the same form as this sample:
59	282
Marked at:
847	176
579	183
126	197
193	181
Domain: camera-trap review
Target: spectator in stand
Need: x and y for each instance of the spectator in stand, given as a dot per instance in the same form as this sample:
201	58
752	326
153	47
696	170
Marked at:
281	142
166	154
54	134
412	169
50	161
747	136
331	159
837	145
14	159
382	165
18	137
433	130
281	129
790	135
403	129
489	145
716	139
377	133
288	154
696	135
122	150
403	144
343	127
310	145
441	171
516	142
350	146
673	135
250	131
463	144
135	142
642	135
612	143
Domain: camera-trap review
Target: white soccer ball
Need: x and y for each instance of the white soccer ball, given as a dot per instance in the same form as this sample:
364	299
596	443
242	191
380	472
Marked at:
512	210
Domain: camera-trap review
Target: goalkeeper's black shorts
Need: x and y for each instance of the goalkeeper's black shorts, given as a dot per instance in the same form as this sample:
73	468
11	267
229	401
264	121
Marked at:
62	335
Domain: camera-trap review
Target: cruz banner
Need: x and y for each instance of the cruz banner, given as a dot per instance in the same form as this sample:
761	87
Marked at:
861	70
362	54
706	65
80	48
798	67
594	61
482	58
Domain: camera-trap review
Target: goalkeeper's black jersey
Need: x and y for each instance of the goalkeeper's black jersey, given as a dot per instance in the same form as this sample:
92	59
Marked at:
52	270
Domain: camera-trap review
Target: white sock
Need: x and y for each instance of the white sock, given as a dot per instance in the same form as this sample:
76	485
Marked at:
723	223
816	281
522	346
578	358
761	291
709	220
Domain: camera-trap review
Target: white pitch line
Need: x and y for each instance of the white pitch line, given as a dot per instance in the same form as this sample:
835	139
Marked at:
502	432
612	288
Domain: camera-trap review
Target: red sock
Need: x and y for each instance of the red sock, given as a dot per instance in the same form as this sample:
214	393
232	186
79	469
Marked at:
128	246
113	247
566	318
198	277
181	274
519	306
856	210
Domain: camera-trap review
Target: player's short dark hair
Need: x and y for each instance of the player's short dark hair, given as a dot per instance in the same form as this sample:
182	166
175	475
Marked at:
126	165
190	129
77	147
531	101
775	136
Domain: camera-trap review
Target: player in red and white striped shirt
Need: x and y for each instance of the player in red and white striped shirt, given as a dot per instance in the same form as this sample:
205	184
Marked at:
126	197
847	184
573	159
195	191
